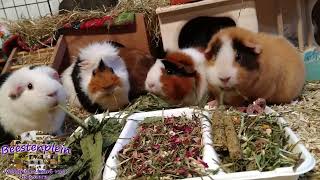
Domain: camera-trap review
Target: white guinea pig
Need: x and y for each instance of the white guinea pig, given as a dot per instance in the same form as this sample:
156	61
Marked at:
29	97
246	66
179	78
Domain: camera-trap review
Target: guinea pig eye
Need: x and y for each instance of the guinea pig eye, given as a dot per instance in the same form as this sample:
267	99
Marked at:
30	86
238	56
112	70
169	71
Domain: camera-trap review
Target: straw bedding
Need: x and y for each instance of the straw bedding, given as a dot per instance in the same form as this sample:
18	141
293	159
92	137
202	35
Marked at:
303	117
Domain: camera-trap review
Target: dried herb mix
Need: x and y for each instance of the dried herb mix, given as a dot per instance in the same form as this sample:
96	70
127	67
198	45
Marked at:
168	147
89	148
262	140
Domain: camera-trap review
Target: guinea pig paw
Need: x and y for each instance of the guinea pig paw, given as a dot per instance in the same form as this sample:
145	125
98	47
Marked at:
213	104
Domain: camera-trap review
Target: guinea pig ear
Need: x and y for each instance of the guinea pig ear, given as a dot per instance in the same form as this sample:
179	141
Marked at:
101	66
16	92
208	53
212	49
253	45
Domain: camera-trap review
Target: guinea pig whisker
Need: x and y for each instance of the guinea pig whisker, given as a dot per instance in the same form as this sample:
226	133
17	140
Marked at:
109	90
115	99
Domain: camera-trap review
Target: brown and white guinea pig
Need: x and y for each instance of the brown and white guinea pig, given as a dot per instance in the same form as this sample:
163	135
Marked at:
29	97
248	65
179	78
106	76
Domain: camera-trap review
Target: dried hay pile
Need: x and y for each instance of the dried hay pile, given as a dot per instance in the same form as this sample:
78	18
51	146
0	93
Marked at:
37	30
304	119
40	57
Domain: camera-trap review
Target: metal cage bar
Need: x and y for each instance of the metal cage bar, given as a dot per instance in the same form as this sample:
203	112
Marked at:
27	5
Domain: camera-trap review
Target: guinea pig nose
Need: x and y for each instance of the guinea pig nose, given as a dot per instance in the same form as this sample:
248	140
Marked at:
225	79
151	85
53	94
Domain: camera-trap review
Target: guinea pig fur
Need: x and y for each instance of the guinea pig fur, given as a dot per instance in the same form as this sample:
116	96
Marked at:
98	61
179	78
248	65
29	97
106	76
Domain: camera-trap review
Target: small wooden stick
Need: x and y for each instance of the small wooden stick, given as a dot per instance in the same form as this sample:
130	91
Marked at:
9	61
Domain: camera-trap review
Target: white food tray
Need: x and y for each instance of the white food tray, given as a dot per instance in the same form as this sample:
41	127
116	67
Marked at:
209	155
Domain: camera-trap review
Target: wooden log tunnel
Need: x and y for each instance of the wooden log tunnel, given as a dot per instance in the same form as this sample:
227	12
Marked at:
193	24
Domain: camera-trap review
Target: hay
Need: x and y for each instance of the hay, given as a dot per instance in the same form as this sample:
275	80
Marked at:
42	56
5	162
147	7
37	30
304	119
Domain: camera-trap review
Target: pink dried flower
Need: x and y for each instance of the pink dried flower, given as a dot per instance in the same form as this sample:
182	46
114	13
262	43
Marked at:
136	138
177	159
203	163
188	129
182	171
175	140
169	120
188	154
156	146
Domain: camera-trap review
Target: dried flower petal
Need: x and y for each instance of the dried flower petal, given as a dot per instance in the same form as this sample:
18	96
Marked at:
203	163
156	146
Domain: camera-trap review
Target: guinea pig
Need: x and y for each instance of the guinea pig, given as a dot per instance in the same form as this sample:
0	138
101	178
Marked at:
106	76
179	78
29	98
245	66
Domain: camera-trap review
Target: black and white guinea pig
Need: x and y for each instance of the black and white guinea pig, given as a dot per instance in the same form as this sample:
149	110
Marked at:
106	76
179	78
29	97
246	66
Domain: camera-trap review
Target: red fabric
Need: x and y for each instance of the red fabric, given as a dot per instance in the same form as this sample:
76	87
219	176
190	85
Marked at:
175	2
96	23
16	41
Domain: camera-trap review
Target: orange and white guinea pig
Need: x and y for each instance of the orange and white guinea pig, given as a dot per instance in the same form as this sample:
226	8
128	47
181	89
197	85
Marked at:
106	76
246	65
179	78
